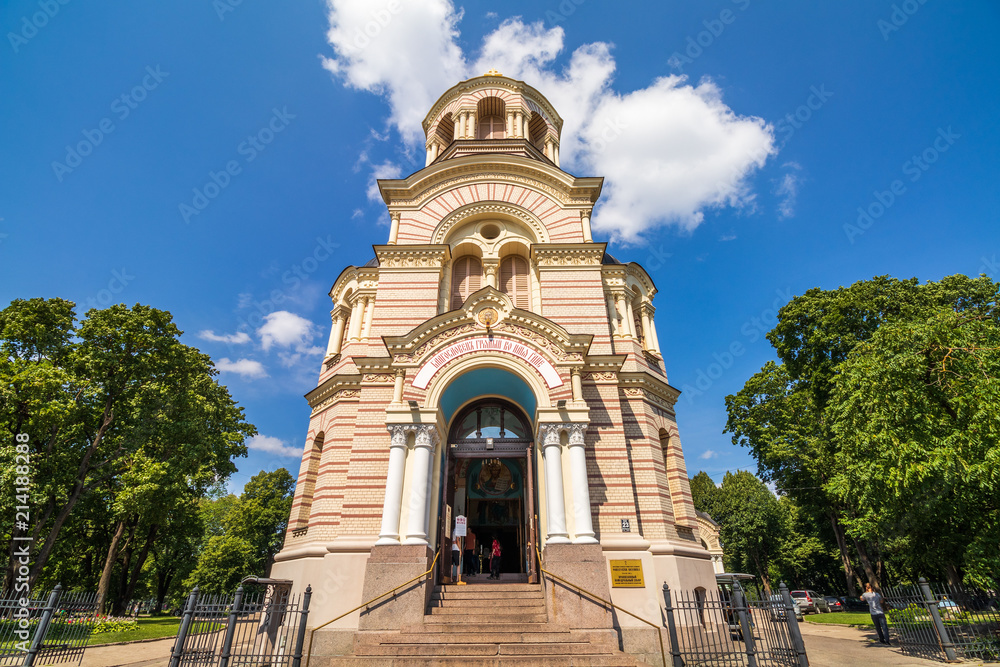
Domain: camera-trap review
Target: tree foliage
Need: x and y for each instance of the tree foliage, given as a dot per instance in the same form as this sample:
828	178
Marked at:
126	427
881	414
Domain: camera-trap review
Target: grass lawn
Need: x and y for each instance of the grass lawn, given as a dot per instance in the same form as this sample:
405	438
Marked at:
149	628
860	618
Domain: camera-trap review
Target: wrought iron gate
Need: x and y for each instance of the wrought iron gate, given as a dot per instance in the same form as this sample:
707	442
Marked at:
53	630
252	628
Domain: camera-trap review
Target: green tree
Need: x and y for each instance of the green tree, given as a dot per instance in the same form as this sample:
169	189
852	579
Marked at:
808	420
703	492
97	399
261	515
751	525
225	560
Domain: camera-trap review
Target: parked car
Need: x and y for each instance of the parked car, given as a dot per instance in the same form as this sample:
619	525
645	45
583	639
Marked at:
726	583
810	602
778	610
853	604
834	603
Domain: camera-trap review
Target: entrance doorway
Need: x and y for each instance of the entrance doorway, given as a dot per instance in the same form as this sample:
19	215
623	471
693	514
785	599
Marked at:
489	479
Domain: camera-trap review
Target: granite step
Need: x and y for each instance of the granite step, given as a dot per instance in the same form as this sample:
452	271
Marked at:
614	660
485	619
466	603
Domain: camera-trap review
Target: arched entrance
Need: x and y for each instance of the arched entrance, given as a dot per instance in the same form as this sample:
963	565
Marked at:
489	479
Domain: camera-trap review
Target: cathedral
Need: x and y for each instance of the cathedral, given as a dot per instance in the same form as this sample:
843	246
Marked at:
492	371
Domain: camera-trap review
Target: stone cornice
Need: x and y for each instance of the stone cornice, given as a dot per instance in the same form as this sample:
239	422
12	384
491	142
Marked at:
644	385
414	191
364	277
335	388
568	254
419	257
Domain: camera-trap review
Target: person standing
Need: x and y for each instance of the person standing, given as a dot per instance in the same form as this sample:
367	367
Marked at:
470	553
456	555
495	553
874	600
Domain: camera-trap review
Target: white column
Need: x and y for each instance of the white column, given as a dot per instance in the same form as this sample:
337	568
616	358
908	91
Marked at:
585	221
397	390
517	124
582	519
630	317
652	331
647	328
389	534
369	314
510	125
555	504
354	331
428	159
336	333
613	316
577	377
416	525
457	122
472	125
624	330
461	119
491	274
394	227
555	148
527	134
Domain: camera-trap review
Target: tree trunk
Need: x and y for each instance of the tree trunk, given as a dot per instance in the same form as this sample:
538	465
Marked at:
109	565
163	580
866	563
845	555
140	560
42	557
952	575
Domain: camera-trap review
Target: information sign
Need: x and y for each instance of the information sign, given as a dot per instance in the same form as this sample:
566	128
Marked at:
461	526
626	574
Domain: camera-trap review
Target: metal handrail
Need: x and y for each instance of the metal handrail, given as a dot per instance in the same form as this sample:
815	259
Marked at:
365	604
663	654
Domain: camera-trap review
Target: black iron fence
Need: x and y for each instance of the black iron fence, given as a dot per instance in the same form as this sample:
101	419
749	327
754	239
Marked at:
719	629
945	622
53	630
249	629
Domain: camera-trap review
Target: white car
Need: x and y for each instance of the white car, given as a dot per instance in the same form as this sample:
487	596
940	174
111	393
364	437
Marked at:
778	609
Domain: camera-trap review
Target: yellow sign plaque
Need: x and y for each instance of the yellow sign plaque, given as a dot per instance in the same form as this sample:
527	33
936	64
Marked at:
626	574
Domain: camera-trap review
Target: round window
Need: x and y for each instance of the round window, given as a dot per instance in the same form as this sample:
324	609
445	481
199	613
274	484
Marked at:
490	231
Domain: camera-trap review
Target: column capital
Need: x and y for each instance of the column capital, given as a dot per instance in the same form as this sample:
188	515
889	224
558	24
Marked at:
646	308
577	433
398	432
427	435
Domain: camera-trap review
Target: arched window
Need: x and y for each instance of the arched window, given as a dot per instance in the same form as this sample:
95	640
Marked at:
309	483
514	280
492	127
466	278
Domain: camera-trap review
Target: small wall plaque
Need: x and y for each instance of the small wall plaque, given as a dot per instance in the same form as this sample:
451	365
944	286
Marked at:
626	574
626	525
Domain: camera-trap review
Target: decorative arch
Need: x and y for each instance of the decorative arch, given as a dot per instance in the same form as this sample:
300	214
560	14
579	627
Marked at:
495	209
522	372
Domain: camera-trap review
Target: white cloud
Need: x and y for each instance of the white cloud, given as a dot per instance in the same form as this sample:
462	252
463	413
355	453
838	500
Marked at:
385	170
246	368
286	330
728	237
669	151
788	190
270	445
238	338
406	51
708	454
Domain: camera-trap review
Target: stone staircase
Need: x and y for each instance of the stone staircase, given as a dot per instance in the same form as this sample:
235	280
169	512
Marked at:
492	625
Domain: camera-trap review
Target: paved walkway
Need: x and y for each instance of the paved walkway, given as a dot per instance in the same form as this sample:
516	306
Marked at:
838	645
139	654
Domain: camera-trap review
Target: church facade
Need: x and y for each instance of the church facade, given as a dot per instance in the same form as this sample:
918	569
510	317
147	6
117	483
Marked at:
492	362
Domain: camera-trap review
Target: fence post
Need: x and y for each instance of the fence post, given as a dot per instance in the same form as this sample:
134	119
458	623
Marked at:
802	660
301	636
43	626
227	643
192	602
944	641
675	649
746	623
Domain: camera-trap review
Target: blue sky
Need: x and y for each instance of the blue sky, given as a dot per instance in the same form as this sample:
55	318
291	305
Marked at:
215	159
